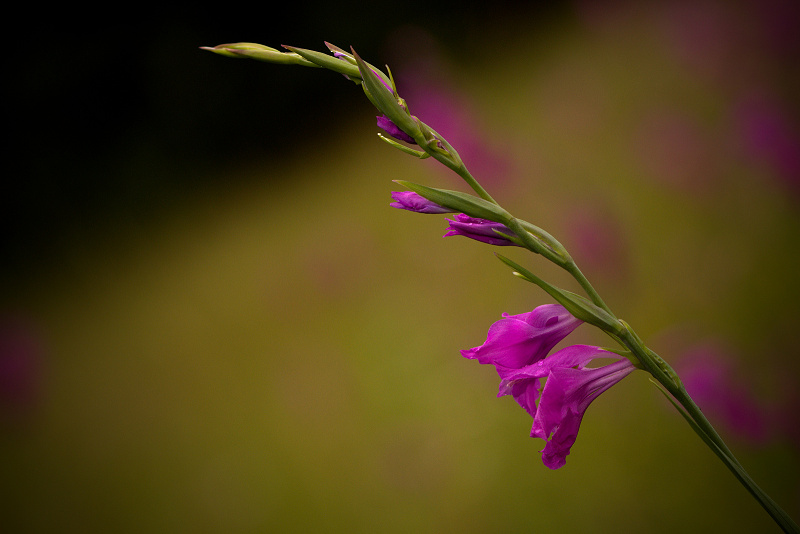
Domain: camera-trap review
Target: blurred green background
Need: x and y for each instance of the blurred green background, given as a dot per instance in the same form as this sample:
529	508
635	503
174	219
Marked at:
213	322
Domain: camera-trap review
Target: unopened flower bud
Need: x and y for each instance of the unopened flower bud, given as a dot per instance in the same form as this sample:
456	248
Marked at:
480	230
411	201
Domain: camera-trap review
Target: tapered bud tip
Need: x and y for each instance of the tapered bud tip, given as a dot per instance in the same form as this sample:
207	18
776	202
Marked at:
408	200
392	129
333	48
224	50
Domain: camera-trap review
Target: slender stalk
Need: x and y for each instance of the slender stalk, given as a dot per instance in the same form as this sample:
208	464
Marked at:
576	273
683	402
695	417
462	171
666	376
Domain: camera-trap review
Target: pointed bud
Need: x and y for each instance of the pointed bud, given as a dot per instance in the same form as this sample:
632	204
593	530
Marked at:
327	61
391	128
338	53
258	52
460	202
383	97
411	201
485	231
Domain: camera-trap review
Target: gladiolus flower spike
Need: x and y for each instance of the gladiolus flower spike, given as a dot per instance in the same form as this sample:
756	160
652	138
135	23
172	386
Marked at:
555	389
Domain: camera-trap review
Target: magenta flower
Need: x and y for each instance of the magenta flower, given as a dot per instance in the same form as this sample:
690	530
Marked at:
518	345
392	129
480	230
568	391
516	341
411	201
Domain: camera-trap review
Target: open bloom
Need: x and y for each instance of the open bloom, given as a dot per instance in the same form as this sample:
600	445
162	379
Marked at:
411	201
568	391
516	341
480	230
518	347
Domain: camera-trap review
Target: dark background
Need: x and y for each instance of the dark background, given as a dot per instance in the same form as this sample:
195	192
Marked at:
114	119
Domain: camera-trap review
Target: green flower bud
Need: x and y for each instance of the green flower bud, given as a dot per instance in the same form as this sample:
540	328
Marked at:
385	99
259	52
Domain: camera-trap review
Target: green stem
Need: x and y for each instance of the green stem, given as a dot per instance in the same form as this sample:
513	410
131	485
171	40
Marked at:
450	159
567	263
473	183
683	402
693	417
576	273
